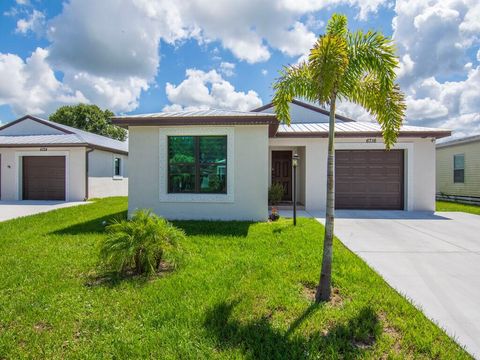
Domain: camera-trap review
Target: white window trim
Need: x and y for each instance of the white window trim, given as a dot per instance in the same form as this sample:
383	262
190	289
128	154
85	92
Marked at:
229	197
18	169
117	177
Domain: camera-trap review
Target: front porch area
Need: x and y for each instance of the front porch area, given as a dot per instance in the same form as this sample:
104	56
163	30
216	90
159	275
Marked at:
283	172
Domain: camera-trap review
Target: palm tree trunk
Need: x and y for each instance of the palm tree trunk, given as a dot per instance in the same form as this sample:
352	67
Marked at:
324	288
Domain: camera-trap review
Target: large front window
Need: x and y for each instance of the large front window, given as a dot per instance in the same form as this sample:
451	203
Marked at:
197	164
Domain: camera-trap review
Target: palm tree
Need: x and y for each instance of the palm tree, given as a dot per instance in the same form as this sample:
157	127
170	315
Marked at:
355	66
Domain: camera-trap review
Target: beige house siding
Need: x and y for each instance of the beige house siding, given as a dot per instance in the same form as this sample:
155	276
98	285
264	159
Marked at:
445	184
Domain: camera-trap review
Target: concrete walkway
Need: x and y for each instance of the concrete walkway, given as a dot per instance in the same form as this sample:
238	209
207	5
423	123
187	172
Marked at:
433	259
14	209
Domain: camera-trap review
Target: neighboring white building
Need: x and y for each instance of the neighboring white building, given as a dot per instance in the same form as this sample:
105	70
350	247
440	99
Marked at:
217	164
44	160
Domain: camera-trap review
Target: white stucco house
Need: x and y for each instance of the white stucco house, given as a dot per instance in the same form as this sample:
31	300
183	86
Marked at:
219	164
44	160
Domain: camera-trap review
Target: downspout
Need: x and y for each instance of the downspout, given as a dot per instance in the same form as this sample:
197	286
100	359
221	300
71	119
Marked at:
89	150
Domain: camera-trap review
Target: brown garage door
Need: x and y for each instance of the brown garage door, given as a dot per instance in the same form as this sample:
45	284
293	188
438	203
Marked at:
369	179
44	177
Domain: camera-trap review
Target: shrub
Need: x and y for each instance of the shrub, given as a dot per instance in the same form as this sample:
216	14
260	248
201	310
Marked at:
138	245
275	193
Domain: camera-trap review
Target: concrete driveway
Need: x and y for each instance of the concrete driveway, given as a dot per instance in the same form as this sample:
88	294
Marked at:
433	259
14	209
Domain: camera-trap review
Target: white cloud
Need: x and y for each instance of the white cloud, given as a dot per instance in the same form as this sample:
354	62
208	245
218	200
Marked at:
425	108
227	68
264	72
366	7
354	111
31	87
314	23
458	98
109	50
247	28
35	22
294	41
463	125
433	36
107	38
118	94
204	90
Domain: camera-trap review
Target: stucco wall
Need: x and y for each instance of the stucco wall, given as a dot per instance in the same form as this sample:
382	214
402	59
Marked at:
250	176
11	171
419	168
101	180
445	184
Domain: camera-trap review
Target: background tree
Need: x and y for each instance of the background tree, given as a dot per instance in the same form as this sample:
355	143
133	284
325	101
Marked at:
89	118
357	67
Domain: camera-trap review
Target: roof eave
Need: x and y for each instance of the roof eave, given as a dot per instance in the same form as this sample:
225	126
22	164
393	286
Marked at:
458	142
194	120
93	146
372	134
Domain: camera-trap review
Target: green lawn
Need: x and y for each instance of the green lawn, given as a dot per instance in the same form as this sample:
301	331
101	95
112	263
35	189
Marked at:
451	206
241	290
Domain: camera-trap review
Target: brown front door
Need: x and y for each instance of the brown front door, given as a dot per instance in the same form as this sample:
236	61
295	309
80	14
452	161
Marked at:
369	179
44	178
282	172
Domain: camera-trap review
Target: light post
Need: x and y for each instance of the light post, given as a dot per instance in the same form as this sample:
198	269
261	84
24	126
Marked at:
295	158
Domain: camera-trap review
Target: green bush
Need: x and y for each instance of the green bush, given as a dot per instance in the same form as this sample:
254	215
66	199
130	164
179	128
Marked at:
138	245
275	193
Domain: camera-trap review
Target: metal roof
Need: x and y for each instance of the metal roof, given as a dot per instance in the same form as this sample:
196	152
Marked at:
197	113
460	141
351	129
72	136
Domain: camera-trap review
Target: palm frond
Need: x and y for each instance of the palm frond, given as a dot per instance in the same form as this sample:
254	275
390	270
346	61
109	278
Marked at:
337	25
328	61
371	53
294	81
138	244
386	105
370	81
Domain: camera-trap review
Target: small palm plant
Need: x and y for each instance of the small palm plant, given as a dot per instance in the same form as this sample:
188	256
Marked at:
138	245
358	67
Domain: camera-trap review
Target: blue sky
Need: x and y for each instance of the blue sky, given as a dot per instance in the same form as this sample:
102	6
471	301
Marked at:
139	56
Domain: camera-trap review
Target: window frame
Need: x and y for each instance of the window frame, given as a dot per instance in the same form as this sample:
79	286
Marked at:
120	167
197	164
455	181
